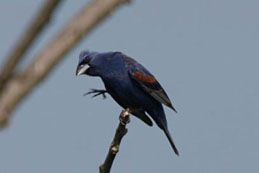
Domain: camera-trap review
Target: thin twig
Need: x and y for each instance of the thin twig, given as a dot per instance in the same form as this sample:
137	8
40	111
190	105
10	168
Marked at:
44	62
114	148
39	22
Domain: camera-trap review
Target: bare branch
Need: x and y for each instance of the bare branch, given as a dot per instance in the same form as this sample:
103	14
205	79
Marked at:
20	86
114	148
41	19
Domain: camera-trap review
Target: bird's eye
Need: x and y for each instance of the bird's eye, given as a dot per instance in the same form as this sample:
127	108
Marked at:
86	60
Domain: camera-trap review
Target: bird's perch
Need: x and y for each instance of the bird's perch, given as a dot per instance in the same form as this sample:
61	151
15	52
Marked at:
114	148
44	62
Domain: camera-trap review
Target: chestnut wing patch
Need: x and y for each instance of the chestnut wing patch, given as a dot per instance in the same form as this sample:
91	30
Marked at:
144	78
152	86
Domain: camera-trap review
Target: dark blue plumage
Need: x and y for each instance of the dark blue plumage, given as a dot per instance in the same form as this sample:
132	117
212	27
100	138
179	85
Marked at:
130	84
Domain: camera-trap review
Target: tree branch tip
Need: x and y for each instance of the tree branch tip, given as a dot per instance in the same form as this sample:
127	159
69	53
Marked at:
121	131
125	117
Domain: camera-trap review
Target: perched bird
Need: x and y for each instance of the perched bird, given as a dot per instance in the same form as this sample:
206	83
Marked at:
130	84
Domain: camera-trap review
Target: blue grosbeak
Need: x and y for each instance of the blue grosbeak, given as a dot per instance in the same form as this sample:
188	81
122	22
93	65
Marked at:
130	84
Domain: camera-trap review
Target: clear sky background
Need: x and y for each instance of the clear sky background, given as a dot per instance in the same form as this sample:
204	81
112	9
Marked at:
205	53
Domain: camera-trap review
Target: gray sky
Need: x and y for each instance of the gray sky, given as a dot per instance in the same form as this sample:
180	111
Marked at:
204	53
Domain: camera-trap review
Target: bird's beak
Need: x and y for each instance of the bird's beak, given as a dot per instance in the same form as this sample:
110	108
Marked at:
81	69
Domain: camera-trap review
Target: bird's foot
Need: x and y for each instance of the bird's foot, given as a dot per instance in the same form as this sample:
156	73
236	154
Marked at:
96	92
125	117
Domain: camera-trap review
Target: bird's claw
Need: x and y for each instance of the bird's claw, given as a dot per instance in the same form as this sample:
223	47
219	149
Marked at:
96	92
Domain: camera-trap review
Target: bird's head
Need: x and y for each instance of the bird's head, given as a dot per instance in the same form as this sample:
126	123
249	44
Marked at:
99	64
84	66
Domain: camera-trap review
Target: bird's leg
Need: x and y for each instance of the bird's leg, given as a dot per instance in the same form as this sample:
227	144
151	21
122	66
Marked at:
125	117
97	92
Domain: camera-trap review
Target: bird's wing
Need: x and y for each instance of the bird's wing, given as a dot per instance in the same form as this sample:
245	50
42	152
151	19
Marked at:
149	83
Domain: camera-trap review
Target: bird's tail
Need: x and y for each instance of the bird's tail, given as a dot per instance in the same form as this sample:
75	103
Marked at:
170	139
159	117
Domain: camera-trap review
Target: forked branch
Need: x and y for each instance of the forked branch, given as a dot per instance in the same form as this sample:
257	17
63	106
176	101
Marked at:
44	62
38	23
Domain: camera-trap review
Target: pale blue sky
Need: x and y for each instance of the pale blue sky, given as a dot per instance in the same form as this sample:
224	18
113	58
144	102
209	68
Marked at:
204	53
